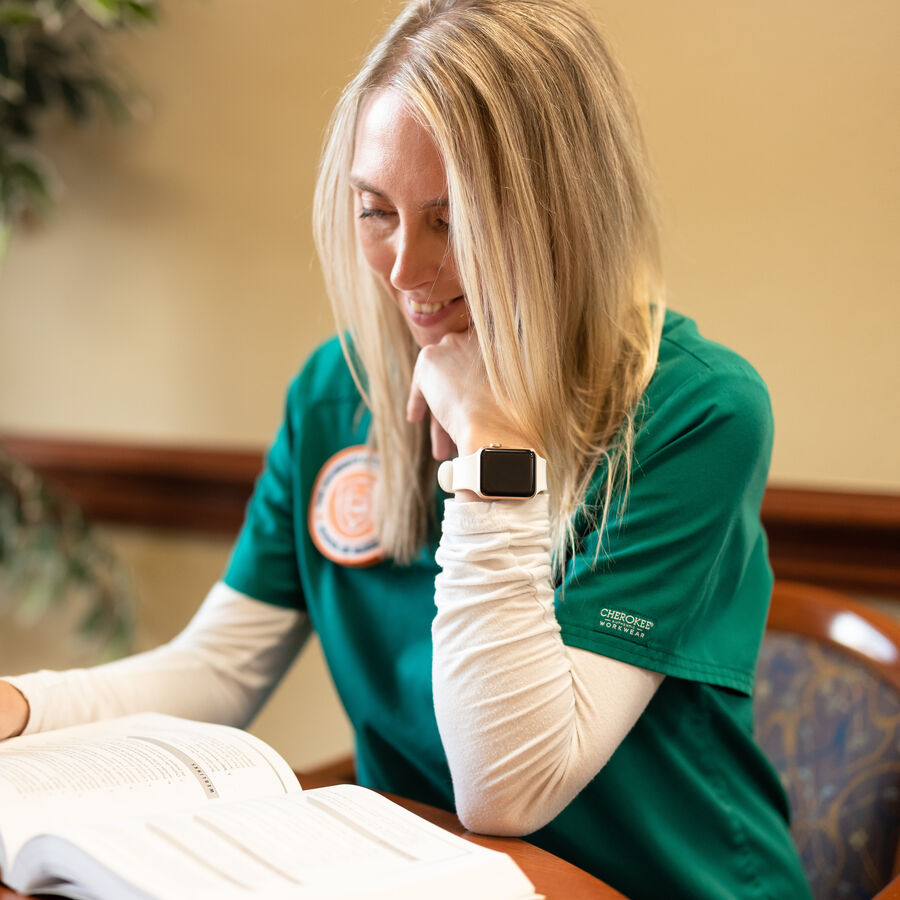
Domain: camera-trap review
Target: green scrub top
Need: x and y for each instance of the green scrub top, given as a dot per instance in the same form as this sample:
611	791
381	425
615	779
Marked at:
688	806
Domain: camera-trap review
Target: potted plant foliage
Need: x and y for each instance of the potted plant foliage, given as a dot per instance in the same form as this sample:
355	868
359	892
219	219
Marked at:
52	63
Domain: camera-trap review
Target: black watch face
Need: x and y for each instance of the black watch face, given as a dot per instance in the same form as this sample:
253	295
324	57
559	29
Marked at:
507	473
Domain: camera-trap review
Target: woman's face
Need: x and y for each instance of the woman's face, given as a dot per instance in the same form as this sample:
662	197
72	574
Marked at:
402	223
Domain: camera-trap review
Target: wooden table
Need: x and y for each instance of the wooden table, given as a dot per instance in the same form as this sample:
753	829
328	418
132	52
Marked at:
550	875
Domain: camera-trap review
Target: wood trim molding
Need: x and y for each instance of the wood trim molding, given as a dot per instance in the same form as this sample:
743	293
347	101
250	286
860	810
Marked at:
840	539
186	488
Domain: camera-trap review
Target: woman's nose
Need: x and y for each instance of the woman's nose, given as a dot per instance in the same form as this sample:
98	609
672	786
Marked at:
418	259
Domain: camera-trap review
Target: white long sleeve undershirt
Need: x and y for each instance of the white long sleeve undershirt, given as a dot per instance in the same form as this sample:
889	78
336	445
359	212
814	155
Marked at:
526	721
221	668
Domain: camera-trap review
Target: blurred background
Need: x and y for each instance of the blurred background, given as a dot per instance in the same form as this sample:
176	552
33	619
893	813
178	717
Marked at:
174	290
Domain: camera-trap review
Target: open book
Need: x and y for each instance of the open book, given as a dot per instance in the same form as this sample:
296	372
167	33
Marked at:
152	806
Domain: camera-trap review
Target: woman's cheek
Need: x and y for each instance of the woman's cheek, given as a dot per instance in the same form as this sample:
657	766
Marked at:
376	254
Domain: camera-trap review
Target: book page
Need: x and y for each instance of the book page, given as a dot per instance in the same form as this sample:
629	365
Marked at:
339	842
127	767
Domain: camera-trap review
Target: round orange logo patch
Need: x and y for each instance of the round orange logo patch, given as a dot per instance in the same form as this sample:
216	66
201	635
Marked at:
341	511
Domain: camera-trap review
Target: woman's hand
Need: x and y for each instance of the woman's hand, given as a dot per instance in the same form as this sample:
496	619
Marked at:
14	711
450	381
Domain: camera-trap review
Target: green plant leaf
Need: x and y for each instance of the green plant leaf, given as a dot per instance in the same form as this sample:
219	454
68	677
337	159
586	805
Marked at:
16	14
4	58
114	103
104	12
51	48
34	87
49	60
74	98
51	557
24	184
142	12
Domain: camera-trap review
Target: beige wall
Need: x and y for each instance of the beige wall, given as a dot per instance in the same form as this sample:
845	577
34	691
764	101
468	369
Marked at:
175	290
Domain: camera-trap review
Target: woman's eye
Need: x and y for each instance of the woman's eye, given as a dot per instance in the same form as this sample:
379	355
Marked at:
368	213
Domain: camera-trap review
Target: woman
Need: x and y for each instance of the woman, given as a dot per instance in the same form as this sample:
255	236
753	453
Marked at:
485	221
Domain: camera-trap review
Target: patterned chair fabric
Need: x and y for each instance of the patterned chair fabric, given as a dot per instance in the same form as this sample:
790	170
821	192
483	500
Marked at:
831	727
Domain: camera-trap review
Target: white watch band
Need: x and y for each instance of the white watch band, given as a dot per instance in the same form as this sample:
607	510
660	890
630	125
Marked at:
464	473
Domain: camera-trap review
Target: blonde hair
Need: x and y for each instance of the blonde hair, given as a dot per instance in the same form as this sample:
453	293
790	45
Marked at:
554	234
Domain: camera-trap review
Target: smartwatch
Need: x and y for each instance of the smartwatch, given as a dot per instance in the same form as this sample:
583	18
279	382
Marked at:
495	472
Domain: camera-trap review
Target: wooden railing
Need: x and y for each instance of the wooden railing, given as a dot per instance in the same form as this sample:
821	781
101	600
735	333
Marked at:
841	539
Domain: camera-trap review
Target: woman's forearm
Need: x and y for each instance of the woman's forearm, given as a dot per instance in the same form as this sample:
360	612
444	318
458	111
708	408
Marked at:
526	722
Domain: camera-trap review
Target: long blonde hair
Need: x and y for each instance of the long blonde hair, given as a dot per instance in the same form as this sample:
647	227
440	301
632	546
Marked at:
554	233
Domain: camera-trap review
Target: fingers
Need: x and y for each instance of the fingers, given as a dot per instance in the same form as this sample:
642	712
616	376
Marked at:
442	446
448	384
416	406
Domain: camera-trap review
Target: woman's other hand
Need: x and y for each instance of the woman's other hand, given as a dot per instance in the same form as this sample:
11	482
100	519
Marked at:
450	381
14	711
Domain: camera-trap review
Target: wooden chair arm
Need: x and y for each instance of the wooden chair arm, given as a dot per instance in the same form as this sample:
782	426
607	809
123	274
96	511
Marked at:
340	771
890	891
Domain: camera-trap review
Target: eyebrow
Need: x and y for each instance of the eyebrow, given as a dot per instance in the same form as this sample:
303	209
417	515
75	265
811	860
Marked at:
361	185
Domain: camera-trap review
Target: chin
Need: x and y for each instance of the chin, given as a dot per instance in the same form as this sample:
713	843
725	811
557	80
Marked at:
425	336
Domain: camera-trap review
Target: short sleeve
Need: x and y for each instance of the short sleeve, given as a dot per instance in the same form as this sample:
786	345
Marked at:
263	563
682	582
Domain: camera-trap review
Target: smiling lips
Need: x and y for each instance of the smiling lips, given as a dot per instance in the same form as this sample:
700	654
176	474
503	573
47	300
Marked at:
427	309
